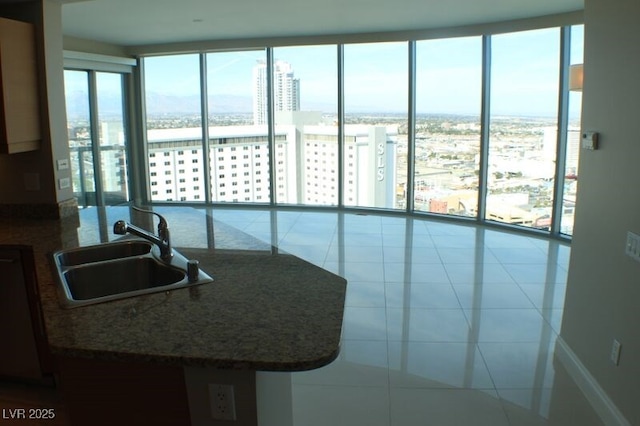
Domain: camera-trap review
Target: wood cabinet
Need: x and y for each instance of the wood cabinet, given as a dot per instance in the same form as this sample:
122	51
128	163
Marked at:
20	126
21	322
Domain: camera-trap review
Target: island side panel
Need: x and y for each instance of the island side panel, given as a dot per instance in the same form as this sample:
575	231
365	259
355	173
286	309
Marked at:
201	387
117	393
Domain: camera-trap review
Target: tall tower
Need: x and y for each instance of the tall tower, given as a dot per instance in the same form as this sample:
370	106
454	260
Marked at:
286	90
260	93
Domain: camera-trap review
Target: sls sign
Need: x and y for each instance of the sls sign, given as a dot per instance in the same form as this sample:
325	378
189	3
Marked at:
380	161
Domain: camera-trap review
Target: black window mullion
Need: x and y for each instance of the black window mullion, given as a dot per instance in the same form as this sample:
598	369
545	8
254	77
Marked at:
204	118
485	123
341	142
563	124
95	138
271	128
411	129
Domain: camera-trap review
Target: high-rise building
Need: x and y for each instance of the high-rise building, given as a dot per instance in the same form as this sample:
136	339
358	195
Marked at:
369	165
306	165
286	90
239	164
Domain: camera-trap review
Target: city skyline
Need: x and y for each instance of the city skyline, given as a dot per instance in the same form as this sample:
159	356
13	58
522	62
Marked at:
446	165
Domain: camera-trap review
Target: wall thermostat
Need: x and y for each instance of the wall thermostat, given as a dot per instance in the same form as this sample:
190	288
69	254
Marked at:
590	140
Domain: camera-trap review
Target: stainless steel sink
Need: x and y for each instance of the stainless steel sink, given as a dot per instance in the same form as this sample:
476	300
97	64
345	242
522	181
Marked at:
102	252
118	270
125	276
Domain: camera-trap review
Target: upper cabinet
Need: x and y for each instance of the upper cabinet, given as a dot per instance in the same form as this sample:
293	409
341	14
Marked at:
20	125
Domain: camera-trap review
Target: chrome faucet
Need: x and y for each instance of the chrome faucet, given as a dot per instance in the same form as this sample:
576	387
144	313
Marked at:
163	240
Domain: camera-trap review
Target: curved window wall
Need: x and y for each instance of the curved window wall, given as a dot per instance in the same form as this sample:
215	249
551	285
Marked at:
463	127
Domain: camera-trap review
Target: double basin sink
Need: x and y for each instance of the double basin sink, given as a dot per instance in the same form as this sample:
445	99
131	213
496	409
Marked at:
120	269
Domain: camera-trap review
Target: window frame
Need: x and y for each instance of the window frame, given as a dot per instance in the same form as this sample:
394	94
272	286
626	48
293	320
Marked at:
564	22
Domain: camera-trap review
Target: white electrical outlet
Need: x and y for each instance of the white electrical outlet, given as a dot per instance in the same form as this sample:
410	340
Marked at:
615	352
222	402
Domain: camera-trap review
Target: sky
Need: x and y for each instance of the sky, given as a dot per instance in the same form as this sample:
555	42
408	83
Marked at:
524	74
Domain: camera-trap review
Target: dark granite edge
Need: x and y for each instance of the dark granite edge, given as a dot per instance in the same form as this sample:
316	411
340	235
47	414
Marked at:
169	360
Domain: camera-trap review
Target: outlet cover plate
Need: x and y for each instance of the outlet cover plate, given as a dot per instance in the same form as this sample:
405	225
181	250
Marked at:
222	402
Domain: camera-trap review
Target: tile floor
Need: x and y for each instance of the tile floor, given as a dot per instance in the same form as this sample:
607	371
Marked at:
445	323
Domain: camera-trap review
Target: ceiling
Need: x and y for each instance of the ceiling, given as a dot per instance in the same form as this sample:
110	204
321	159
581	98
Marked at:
148	22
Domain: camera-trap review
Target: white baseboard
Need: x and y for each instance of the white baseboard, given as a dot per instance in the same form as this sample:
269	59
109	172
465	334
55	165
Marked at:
597	397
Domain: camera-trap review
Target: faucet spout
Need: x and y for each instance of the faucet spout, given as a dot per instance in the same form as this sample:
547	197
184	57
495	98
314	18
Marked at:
163	240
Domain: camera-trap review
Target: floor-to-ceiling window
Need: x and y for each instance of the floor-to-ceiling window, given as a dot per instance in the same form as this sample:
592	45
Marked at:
97	136
523	127
238	135
573	130
174	128
111	136
447	147
375	128
76	84
306	108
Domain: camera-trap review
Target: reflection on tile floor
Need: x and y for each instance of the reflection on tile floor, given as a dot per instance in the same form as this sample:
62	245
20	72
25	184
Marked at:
445	323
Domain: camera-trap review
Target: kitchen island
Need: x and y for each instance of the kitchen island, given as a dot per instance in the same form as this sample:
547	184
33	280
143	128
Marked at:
154	356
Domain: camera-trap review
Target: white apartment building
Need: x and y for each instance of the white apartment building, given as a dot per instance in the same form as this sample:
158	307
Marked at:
306	165
113	158
239	164
369	166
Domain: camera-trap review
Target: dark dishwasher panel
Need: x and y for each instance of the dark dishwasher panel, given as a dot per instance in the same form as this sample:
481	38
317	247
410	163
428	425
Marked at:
23	353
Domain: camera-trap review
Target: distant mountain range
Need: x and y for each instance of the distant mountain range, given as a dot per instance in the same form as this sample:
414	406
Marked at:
157	104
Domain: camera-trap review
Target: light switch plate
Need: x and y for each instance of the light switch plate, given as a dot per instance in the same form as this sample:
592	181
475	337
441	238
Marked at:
63	164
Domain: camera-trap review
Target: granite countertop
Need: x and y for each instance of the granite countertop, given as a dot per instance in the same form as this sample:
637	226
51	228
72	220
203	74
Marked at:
265	310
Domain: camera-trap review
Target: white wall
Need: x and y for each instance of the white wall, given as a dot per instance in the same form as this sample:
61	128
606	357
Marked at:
603	292
89	46
52	28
